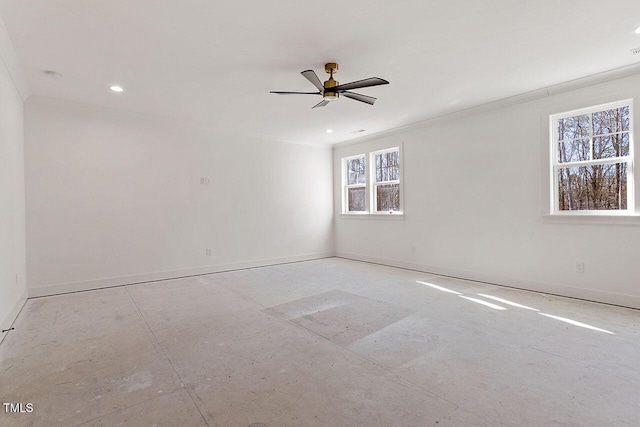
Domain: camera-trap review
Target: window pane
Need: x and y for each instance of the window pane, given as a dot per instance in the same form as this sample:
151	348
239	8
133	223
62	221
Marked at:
355	171
611	121
616	145
387	166
574	150
596	187
574	127
356	199
388	197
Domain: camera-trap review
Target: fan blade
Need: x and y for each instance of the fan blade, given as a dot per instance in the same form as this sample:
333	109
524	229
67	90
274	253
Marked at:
313	78
371	81
296	93
320	104
359	97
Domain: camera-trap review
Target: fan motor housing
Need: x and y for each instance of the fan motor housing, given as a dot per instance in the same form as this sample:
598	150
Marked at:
328	95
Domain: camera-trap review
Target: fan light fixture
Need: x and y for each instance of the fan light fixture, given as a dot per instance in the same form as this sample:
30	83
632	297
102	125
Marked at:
331	89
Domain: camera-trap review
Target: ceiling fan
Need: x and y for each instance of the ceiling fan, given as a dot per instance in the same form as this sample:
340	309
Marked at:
332	89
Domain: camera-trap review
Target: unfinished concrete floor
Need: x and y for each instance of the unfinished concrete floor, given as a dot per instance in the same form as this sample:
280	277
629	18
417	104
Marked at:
329	342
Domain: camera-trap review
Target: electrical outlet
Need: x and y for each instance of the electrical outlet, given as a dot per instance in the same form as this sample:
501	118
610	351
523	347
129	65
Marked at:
205	180
207	252
579	267
413	249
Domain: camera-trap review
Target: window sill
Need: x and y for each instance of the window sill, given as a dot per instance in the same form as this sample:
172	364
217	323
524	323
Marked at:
592	219
382	216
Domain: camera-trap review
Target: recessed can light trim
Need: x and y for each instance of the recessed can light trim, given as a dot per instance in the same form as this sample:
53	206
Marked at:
116	88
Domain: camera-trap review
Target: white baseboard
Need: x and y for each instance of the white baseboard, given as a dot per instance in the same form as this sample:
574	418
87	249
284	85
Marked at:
13	313
62	288
594	295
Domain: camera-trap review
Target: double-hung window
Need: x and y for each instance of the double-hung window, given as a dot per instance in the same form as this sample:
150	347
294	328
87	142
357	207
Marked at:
356	184
386	183
592	160
371	183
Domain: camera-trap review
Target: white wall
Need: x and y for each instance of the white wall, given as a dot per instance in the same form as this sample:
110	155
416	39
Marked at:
115	198
12	219
476	189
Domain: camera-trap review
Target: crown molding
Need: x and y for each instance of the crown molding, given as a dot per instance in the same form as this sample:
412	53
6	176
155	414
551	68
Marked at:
579	83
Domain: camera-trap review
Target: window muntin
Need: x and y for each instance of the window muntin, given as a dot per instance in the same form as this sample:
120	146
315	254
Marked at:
356	184
592	160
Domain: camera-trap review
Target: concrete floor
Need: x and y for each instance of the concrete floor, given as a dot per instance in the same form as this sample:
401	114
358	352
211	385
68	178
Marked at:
330	342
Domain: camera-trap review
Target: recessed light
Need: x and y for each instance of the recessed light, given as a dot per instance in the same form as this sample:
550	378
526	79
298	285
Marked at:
637	30
329	131
116	88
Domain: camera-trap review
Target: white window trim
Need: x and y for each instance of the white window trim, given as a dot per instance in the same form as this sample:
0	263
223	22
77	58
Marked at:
370	185
554	165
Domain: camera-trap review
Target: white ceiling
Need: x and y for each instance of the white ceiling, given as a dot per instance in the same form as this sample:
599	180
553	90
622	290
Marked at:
214	62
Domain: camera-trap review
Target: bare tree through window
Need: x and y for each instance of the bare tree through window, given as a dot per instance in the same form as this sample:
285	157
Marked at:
387	182
593	159
371	183
356	190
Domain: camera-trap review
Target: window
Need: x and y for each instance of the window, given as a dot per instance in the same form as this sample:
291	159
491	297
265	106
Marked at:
592	160
356	187
375	189
387	180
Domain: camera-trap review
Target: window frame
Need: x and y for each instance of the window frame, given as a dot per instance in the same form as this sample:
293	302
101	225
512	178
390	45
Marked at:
346	186
555	165
370	184
374	183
